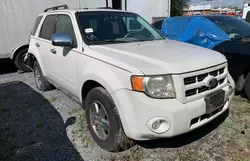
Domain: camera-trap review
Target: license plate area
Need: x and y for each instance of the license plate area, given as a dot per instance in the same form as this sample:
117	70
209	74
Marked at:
214	101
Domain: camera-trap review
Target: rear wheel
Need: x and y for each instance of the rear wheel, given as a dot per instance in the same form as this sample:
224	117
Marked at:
19	60
247	86
41	83
104	122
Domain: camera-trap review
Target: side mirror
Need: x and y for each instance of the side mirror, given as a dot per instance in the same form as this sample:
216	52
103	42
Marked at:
62	39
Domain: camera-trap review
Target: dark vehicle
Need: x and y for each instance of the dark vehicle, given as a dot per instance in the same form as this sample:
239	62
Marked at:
158	24
228	35
248	17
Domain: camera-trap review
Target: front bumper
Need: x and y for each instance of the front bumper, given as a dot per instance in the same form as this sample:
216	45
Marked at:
136	109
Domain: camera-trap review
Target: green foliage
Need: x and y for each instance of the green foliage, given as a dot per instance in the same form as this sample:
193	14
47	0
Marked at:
235	7
177	7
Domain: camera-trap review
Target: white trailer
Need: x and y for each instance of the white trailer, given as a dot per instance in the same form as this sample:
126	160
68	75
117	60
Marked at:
246	8
17	18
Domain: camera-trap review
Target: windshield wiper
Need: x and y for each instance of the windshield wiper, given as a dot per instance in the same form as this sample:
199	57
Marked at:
116	41
107	41
119	41
141	40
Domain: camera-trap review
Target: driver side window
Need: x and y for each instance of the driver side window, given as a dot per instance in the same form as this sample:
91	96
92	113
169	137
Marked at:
64	25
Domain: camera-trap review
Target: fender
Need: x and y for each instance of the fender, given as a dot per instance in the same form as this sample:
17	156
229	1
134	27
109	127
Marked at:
35	53
231	81
107	78
112	79
108	75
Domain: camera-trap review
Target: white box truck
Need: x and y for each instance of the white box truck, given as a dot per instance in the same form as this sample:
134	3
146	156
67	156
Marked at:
246	8
18	16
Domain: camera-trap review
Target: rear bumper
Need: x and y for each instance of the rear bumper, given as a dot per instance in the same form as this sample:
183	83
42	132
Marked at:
137	110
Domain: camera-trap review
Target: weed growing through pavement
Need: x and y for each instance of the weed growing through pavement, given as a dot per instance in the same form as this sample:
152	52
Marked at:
52	99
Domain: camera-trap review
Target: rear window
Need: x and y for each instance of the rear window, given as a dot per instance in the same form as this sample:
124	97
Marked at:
48	27
38	20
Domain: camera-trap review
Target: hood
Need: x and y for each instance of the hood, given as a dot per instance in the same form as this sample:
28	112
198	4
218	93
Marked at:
160	57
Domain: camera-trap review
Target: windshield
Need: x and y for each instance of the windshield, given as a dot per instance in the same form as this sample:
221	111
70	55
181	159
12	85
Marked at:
102	27
235	28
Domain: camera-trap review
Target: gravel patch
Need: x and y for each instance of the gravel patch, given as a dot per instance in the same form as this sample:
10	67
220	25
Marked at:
49	126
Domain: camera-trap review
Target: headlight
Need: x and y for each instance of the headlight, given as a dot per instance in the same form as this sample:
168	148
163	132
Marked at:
154	86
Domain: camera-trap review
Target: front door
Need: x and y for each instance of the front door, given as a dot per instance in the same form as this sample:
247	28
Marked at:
63	60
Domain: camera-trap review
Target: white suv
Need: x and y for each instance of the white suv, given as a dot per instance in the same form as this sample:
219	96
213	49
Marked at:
134	84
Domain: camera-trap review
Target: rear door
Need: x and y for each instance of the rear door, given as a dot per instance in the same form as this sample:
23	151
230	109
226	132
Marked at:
33	38
44	43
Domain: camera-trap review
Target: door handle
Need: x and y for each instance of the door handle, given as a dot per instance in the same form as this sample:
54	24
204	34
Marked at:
37	45
53	51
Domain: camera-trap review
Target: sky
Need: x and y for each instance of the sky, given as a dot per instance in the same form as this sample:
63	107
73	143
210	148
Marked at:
220	3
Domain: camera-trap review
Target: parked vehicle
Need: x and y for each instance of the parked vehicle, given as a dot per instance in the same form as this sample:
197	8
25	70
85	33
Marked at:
17	18
227	35
130	87
248	17
158	24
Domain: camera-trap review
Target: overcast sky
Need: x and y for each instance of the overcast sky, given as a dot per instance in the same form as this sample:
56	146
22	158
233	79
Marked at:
218	3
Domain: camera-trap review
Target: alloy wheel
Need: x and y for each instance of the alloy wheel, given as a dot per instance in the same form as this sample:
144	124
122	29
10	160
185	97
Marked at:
99	120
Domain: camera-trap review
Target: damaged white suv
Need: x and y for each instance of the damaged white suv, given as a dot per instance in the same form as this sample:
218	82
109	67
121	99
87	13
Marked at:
134	84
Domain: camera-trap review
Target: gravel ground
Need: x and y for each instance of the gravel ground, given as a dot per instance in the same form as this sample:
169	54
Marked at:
49	126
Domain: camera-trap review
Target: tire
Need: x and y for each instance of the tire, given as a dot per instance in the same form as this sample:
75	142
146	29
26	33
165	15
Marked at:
116	140
19	60
41	83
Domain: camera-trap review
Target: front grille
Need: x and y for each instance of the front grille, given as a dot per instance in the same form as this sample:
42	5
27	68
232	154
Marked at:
201	77
189	81
201	89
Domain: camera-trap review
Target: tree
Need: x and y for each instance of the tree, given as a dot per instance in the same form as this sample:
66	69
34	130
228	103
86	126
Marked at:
177	7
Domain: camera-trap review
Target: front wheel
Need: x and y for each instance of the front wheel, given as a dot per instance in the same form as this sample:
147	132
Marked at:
104	122
19	60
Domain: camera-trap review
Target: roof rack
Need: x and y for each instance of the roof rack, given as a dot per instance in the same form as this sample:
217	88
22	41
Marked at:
57	7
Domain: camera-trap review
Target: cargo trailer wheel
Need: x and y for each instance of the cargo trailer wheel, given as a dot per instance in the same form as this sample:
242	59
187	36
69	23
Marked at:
41	83
19	60
104	122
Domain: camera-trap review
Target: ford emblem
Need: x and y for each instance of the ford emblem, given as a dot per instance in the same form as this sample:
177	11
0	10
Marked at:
211	82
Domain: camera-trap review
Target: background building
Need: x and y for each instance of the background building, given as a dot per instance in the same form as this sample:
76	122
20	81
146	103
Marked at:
198	9
207	9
